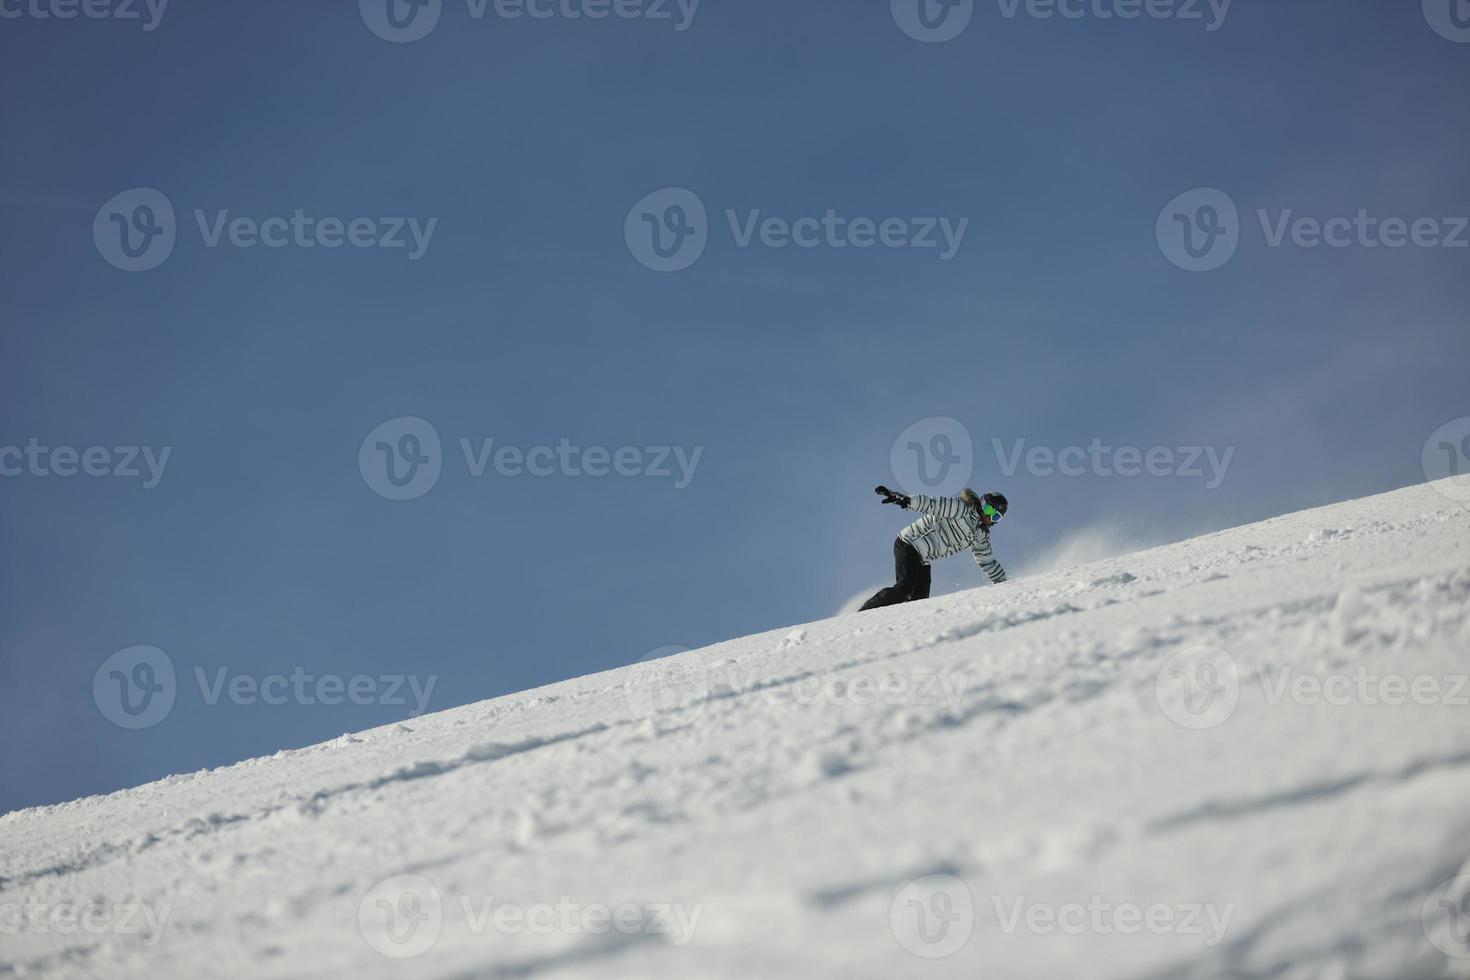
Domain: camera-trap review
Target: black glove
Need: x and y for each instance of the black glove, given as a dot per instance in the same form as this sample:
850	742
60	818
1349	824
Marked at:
889	497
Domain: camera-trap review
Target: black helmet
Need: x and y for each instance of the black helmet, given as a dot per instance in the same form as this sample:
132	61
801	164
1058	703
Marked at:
998	501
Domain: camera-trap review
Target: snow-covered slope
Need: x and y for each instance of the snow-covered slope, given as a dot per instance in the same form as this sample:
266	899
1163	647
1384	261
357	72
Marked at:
1246	754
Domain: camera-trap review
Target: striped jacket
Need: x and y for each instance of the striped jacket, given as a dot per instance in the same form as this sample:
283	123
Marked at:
949	526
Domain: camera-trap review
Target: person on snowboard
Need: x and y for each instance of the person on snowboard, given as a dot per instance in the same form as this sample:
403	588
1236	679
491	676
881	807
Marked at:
949	525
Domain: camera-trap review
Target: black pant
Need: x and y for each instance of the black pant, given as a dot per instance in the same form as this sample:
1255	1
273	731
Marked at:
912	574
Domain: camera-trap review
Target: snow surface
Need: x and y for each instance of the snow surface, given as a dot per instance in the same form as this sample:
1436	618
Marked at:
1078	760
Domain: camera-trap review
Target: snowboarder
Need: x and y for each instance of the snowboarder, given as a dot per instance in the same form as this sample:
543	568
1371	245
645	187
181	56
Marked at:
949	525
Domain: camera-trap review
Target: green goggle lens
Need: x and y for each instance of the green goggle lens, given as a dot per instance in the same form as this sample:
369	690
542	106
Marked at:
990	511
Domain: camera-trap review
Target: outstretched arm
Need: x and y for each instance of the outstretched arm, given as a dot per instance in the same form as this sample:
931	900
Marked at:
986	560
892	496
947	507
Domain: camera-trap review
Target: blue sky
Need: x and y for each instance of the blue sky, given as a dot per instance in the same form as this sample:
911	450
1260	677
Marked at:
529	320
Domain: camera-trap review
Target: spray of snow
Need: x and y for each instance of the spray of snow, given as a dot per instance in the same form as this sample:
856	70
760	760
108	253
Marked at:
856	602
1089	544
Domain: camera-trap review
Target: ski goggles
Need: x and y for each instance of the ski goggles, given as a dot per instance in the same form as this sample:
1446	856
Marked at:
990	512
